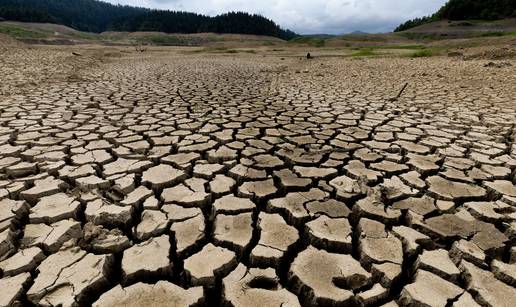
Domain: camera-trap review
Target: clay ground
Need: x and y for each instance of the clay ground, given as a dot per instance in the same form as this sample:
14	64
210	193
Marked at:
176	177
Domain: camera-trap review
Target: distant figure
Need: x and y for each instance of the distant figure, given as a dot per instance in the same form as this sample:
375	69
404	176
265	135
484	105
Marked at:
308	56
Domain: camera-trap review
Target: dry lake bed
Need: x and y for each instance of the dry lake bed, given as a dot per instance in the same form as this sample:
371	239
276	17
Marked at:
179	177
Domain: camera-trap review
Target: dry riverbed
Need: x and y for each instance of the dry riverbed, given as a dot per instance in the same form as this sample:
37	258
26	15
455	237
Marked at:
184	178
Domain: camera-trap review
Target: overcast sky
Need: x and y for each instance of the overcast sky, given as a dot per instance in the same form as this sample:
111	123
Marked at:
310	16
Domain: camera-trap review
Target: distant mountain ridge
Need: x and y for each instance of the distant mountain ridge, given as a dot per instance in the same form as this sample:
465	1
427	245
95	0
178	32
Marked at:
98	16
358	32
466	9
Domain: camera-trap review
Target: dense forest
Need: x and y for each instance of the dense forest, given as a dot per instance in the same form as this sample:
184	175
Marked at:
467	9
98	16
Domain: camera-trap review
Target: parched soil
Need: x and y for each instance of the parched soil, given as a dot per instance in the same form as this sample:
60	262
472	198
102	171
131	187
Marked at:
172	178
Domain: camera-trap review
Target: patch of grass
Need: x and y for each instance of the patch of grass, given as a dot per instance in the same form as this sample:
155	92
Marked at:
404	47
223	50
364	52
164	40
424	36
443	36
362	38
425	53
86	36
213	49
19	32
493	34
311	41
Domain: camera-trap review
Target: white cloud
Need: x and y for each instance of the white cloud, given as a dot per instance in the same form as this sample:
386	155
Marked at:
310	16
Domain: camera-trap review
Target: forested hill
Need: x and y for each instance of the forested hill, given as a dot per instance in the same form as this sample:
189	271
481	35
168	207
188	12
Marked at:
467	9
98	16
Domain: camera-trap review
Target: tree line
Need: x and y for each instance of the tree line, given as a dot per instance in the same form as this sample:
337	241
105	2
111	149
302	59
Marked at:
466	9
97	16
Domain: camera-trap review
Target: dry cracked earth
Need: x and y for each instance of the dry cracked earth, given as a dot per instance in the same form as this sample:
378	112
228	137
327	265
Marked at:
172	179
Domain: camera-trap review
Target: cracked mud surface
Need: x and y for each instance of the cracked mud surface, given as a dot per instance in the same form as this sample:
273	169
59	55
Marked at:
174	180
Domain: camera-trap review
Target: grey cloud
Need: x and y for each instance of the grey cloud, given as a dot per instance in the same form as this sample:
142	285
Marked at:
311	16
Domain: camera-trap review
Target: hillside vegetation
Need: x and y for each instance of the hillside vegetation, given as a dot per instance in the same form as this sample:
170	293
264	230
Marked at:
466	9
98	16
